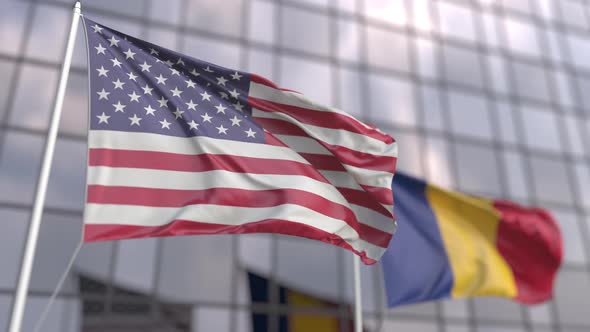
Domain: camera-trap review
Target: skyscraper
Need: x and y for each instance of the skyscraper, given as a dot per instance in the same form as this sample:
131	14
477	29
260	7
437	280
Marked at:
487	97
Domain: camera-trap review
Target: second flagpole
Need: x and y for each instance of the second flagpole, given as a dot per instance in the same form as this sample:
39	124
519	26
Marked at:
358	301
24	279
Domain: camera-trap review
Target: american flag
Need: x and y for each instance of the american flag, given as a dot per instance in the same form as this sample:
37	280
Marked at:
180	146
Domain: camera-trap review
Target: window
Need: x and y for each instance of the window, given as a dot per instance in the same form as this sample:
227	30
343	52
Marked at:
212	50
262	22
348	40
305	31
566	98
574	135
6	71
522	37
165	11
48	38
456	21
136	263
165	37
58	238
497	309
582	175
455	308
34	112
350	82
208	15
15	225
547	9
392	101
572	301
504	113
428	58
540	129
490	30
550	180
421	12
574	13
556	52
431	108
387	49
463	66
209	263
296	73
498	74
12	20
531	82
470	115
391	11
261	63
439	162
412	161
540	313
67	181
515	175
522	6
19	167
579	48
477	169
583	84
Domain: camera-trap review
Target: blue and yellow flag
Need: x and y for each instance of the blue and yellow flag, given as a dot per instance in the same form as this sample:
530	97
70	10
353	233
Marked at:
294	322
450	245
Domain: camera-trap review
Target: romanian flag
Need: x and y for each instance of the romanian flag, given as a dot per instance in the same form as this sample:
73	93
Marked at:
450	245
294	322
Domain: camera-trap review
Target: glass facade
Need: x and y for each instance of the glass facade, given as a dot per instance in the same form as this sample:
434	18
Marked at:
491	97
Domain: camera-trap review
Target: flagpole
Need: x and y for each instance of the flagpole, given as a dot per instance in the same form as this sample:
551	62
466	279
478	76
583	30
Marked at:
358	301
35	223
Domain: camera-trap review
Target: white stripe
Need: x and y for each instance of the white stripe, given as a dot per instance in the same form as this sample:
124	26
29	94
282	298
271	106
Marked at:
370	177
148	178
225	215
341	179
338	137
262	91
104	139
303	144
374	219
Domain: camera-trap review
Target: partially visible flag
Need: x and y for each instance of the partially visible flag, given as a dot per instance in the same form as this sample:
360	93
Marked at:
179	146
451	245
294	322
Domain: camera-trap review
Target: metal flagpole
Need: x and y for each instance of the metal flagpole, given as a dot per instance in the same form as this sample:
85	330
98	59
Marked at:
34	226
358	301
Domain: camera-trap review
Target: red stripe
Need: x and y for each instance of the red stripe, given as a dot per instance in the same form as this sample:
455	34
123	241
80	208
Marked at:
199	163
234	197
323	119
323	162
280	127
346	155
530	241
261	80
382	195
107	232
362	198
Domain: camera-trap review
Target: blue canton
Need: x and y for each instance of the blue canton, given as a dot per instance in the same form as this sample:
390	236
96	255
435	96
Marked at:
137	86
